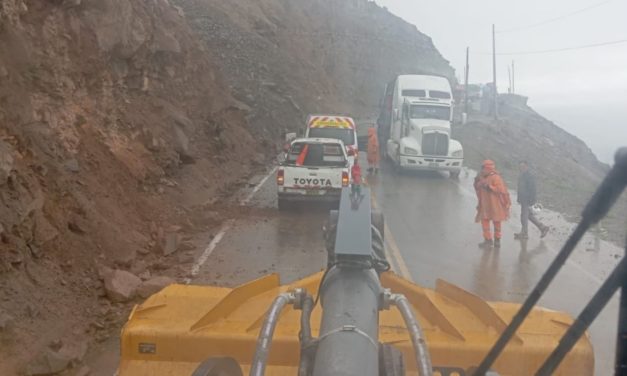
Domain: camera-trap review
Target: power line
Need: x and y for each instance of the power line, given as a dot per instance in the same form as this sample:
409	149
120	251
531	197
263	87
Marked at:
620	41
555	19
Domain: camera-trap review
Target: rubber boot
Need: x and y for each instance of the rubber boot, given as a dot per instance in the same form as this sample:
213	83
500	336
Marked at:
486	244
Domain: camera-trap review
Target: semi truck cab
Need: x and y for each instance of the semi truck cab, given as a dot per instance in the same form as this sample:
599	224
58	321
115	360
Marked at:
420	131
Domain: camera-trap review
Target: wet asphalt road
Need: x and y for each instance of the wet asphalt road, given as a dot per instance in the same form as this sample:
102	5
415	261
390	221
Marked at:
430	234
430	218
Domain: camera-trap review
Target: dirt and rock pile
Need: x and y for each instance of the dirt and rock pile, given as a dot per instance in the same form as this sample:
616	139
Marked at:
114	126
122	122
286	59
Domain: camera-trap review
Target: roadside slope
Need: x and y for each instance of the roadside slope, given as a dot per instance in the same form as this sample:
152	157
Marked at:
117	128
567	171
114	124
287	59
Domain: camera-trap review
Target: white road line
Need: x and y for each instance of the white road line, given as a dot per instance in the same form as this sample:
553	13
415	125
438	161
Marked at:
226	227
258	187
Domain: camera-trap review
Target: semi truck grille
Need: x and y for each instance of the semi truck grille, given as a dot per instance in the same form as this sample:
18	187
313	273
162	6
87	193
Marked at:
435	144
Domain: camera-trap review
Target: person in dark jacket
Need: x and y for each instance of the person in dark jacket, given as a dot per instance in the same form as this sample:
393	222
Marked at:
526	199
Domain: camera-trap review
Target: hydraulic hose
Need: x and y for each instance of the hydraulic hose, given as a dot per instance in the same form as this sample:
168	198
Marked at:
305	336
258	366
423	359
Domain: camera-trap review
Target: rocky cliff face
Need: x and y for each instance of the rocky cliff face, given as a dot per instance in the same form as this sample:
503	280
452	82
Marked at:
111	117
287	59
121	119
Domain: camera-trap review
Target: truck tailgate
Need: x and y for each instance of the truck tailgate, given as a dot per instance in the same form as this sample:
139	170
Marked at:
313	178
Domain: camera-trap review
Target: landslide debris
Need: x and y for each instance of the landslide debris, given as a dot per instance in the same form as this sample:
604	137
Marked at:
123	122
114	126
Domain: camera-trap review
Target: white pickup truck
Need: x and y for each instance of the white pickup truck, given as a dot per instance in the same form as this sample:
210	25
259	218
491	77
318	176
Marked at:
313	169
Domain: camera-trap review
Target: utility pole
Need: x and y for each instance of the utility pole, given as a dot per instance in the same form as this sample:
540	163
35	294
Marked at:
509	78
496	93
466	81
513	78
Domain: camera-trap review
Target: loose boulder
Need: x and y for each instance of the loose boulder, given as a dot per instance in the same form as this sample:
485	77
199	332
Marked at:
171	243
52	361
121	286
48	363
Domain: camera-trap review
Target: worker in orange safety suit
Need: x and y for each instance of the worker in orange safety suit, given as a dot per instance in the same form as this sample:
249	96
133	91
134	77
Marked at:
373	151
494	203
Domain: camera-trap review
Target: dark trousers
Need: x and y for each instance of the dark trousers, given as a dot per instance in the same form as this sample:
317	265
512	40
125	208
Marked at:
526	215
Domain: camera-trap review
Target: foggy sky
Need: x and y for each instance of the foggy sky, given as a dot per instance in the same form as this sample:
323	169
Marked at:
560	85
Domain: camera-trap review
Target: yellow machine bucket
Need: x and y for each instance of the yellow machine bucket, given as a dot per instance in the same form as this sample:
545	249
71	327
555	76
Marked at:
175	330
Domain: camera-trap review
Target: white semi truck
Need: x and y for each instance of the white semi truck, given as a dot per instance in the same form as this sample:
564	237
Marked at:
418	124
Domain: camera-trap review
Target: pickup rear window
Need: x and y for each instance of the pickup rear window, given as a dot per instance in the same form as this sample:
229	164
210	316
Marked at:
316	155
346	135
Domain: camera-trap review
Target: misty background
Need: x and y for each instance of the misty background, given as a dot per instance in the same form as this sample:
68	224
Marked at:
583	90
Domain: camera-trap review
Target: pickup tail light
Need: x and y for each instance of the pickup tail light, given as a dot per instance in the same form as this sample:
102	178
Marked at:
280	177
352	152
345	179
